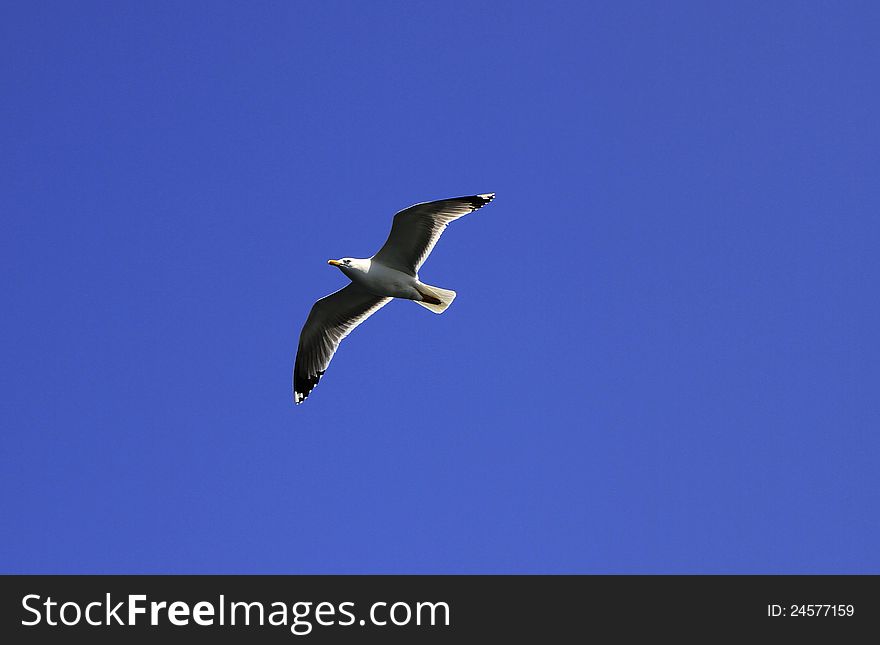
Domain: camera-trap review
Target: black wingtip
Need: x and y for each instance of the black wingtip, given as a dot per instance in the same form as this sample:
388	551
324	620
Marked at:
303	386
478	201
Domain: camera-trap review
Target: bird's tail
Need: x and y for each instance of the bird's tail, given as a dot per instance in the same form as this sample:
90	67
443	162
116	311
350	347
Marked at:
435	298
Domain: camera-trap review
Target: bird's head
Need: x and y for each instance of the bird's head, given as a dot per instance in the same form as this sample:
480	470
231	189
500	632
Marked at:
350	264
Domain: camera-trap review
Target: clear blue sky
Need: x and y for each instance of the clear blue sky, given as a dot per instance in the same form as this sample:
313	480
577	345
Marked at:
664	353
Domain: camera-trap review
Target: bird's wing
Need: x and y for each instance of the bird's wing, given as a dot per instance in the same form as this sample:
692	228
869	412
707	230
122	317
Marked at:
416	230
332	318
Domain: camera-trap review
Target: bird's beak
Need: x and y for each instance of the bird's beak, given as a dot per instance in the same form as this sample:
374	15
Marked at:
335	263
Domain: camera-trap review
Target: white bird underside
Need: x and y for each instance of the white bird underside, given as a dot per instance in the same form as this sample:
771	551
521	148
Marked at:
391	273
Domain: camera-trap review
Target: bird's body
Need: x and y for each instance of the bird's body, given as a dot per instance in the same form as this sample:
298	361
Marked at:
381	280
391	273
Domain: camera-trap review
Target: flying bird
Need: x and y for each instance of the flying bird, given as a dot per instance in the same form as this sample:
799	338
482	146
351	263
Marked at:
393	272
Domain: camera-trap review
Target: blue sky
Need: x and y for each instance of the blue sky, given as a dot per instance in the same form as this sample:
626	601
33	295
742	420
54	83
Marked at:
663	357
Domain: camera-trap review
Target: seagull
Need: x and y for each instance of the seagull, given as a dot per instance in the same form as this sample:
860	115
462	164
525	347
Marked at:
393	272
